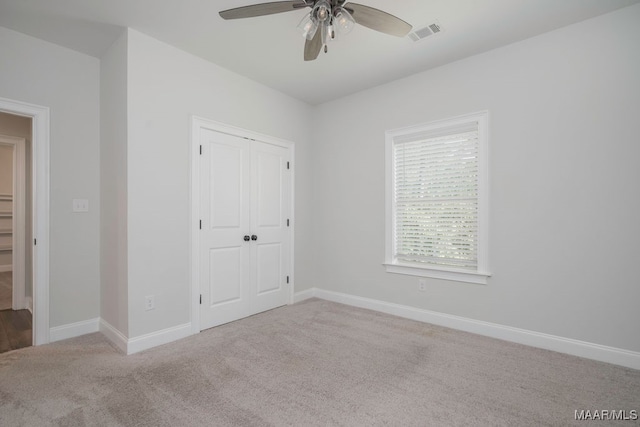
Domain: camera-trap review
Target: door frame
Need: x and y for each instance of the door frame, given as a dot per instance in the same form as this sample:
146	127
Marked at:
40	175
18	208
198	123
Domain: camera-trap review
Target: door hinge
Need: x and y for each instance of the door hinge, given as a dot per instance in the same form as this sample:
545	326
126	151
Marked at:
35	242
288	166
201	150
200	298
287	222
287	279
200	224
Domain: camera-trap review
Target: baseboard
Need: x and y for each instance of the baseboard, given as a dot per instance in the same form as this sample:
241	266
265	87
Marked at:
73	330
617	356
155	339
303	295
114	335
143	342
5	268
126	345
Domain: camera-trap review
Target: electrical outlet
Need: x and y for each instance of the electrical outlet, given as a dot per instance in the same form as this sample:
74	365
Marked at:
422	285
80	205
149	303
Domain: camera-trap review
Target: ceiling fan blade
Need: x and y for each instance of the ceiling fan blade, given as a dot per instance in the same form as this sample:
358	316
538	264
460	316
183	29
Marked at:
262	9
378	20
313	47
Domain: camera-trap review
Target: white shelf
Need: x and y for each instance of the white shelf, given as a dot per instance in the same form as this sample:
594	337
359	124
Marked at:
6	214
6	197
6	248
6	231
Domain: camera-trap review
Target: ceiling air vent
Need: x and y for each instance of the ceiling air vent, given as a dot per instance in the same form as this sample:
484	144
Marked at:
425	32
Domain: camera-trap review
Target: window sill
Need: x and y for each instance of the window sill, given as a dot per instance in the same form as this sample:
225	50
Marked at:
455	275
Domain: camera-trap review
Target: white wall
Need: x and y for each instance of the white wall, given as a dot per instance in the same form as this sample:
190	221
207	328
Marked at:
67	82
113	186
165	87
564	183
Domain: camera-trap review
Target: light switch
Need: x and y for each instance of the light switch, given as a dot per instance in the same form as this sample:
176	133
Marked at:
81	205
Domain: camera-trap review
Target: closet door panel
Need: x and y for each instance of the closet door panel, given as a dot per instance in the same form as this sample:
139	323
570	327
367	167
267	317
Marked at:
269	201
225	211
269	264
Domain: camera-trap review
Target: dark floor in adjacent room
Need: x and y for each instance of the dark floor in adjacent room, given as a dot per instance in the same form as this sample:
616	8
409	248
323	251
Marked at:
15	329
15	326
6	289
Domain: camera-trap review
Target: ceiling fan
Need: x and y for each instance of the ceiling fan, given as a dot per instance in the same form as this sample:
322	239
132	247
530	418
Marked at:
326	17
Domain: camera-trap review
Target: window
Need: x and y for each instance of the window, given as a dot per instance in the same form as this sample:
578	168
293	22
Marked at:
437	194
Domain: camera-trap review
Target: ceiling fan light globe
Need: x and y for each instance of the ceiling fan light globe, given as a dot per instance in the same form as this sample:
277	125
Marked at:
343	21
312	32
308	27
322	11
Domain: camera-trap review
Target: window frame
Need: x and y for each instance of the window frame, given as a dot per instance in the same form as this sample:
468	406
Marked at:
392	265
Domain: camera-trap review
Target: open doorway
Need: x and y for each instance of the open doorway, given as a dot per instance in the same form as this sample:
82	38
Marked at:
39	174
16	284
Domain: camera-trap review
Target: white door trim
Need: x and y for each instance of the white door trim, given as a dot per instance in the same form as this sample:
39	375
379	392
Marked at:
19	301
198	123
40	206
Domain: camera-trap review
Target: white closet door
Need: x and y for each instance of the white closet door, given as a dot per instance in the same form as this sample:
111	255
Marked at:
269	213
225	204
244	245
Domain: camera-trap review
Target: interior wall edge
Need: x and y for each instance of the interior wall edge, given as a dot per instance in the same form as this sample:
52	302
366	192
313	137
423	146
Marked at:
116	337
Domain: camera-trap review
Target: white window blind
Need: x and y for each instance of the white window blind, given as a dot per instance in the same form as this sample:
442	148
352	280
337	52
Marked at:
435	191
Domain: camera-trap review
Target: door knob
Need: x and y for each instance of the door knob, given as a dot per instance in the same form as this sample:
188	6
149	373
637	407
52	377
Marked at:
254	237
246	238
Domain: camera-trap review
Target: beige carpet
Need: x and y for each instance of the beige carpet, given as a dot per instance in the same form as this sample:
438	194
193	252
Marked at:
5	290
315	363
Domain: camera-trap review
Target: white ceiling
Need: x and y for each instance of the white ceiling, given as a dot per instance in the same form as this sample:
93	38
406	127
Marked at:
269	49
